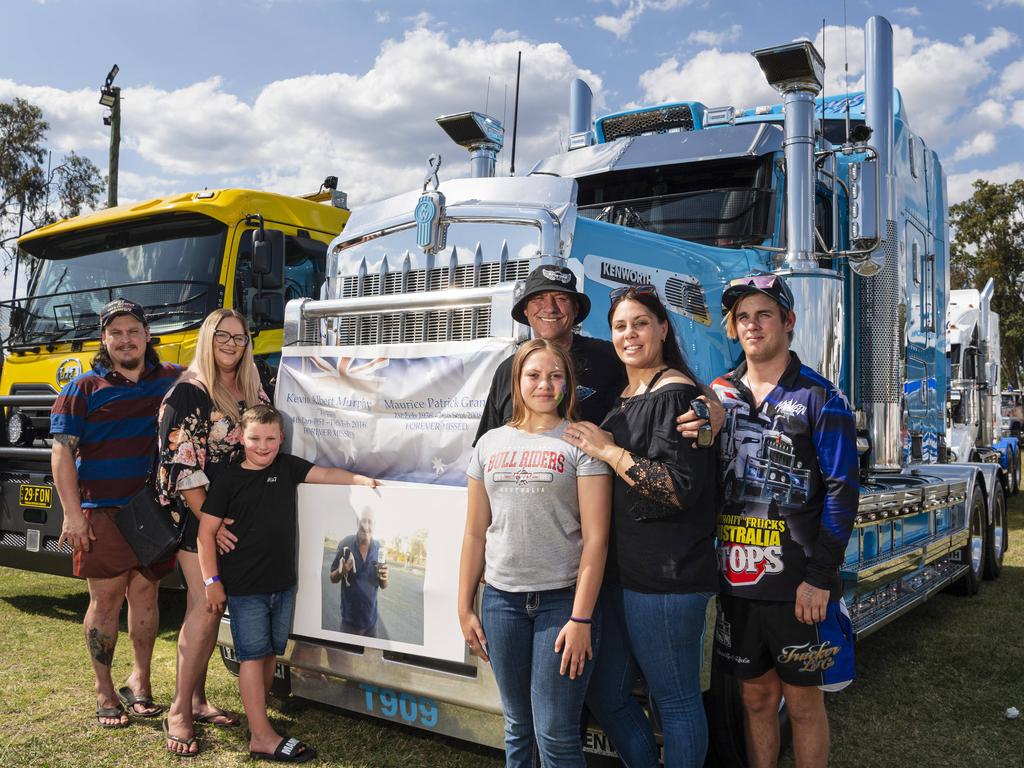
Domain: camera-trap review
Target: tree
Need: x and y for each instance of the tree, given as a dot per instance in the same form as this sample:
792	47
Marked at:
26	190
989	242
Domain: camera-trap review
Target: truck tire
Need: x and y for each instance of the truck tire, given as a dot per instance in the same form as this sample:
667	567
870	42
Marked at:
995	536
973	552
1015	471
723	703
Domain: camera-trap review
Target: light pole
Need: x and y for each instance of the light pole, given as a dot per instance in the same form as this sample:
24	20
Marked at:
110	96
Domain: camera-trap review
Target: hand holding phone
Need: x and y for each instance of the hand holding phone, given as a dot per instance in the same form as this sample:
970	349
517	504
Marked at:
705	435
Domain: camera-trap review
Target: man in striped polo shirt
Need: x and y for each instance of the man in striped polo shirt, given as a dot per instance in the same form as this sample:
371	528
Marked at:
104	440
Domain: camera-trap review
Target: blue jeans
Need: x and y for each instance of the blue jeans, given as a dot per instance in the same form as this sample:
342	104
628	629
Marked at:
662	635
260	623
541	706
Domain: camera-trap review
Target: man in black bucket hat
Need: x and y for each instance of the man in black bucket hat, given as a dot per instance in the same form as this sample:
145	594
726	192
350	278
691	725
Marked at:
552	306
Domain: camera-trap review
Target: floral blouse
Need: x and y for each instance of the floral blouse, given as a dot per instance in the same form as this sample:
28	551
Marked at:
196	439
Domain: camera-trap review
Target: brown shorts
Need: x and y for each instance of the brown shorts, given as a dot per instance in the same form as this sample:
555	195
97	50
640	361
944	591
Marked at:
110	555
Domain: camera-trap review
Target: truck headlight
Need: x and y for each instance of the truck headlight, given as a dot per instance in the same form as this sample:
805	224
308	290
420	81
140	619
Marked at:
20	430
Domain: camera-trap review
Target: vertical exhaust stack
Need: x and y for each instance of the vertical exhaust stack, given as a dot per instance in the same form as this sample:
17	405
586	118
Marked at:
483	136
880	327
797	71
986	431
581	101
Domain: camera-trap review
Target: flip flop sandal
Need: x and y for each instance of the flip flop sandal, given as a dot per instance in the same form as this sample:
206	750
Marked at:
187	743
288	751
126	695
211	719
111	712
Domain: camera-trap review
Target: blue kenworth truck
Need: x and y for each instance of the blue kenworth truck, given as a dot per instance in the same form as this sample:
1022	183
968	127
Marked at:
837	194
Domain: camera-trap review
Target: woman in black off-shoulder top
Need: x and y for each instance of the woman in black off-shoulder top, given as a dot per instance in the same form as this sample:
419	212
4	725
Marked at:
661	564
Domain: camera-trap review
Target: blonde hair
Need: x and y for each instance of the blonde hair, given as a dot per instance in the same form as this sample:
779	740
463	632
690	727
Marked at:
205	366
567	407
730	319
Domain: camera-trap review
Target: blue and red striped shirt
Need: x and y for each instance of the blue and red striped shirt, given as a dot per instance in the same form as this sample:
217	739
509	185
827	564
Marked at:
115	421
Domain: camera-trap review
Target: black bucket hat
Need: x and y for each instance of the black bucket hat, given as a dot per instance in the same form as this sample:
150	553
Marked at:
119	307
772	286
549	277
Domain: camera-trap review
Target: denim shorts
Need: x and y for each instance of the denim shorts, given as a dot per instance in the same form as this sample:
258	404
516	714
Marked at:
260	623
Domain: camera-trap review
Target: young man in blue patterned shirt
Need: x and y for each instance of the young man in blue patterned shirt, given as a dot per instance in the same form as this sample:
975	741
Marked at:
791	488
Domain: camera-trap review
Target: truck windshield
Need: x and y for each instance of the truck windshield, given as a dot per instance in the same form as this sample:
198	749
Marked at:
169	265
722	203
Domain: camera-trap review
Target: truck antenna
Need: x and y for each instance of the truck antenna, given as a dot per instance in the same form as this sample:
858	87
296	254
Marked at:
515	118
487	97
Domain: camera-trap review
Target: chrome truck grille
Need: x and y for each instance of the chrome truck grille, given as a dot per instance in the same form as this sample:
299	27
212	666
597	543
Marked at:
409	326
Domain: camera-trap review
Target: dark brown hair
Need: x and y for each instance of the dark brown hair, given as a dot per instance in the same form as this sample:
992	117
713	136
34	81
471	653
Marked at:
670	351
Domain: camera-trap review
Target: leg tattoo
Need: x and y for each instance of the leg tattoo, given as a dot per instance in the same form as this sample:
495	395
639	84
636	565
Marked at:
101	646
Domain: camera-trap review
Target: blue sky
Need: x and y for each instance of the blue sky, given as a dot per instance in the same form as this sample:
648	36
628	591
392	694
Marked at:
280	93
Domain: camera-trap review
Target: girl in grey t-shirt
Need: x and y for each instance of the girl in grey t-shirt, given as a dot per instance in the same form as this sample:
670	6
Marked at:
538	518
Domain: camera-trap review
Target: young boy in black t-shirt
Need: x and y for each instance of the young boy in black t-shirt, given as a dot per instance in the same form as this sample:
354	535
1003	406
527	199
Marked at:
257	578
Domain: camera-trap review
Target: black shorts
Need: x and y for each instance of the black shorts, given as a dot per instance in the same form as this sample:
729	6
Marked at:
755	636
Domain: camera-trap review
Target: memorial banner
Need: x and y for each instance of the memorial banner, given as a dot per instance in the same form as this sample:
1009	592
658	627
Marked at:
406	412
379	567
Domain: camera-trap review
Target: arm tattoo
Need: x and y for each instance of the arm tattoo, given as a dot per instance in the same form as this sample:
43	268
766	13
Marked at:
101	646
71	441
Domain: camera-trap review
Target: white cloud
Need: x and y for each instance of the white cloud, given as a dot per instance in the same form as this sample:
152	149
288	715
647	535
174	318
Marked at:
934	103
990	111
1017	116
621	25
983	143
381	17
713	77
959	184
908	10
713	39
1011	81
996	3
506	35
373	129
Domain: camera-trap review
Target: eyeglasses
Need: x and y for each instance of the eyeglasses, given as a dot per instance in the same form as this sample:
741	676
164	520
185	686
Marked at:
757	281
637	290
223	337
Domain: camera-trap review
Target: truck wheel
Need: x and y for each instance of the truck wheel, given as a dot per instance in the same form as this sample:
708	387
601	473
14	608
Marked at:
723	702
973	553
995	538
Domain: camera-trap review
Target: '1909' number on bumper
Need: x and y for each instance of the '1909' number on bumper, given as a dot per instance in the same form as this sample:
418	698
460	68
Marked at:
407	706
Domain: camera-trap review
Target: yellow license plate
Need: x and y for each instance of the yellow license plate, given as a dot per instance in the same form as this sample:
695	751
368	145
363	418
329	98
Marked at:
40	496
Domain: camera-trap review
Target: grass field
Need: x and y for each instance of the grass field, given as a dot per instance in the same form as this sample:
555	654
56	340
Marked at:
932	691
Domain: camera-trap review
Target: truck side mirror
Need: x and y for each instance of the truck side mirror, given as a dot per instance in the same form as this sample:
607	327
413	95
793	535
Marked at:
268	257
267	305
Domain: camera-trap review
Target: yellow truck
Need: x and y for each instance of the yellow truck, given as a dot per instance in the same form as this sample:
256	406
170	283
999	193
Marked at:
181	257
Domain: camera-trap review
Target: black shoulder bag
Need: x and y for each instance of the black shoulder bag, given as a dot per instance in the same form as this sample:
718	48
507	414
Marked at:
147	525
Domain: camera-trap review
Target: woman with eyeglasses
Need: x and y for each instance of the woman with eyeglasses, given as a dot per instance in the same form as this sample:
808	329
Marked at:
199	436
661	563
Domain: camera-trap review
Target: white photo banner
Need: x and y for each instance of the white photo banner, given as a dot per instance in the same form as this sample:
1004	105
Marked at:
380	567
406	412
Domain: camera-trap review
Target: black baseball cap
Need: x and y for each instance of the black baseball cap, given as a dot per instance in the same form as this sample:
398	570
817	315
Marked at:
772	286
119	307
549	277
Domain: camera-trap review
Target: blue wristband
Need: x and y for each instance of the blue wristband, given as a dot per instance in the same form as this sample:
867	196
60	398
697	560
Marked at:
211	580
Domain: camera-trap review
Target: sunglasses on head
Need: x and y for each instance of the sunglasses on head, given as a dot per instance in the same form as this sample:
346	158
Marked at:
757	281
637	290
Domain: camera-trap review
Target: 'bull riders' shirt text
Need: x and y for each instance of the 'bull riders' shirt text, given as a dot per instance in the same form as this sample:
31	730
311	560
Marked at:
791	484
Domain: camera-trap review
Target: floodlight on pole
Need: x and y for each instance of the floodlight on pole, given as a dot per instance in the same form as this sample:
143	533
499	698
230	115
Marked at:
110	97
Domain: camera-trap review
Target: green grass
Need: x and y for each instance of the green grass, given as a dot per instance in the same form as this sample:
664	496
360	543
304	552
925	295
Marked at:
932	690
